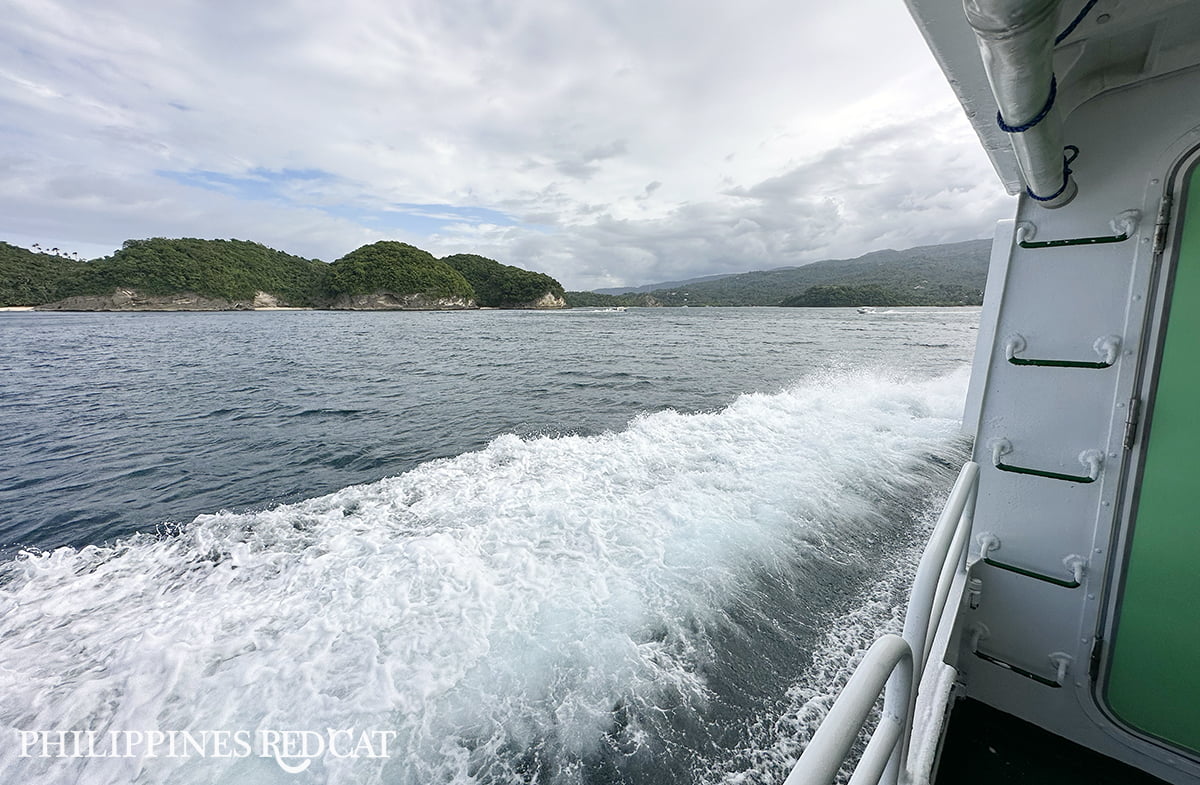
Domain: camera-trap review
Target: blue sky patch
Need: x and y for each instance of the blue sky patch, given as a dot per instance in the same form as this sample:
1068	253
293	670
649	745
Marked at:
266	185
256	184
420	219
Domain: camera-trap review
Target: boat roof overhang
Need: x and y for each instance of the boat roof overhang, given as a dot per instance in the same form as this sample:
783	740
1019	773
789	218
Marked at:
1118	43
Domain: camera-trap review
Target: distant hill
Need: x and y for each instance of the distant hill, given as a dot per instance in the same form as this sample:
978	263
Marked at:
932	274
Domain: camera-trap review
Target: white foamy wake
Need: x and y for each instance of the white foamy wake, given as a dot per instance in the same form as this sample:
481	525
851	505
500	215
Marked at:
479	609
778	737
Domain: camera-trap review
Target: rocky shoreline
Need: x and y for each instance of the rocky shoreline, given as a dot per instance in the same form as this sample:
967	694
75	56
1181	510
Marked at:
133	300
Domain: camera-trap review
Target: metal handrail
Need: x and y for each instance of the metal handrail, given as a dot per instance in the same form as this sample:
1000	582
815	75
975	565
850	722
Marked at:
838	731
894	660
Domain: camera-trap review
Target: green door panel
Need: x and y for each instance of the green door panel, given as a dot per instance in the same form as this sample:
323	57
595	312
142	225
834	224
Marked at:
1154	675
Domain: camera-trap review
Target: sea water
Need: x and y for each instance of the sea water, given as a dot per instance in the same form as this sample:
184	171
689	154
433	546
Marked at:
490	547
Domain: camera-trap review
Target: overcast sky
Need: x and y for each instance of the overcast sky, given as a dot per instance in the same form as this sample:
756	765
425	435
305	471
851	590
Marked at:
607	142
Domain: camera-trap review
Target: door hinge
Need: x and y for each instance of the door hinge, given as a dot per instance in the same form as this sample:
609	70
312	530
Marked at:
1131	421
1094	660
1161	224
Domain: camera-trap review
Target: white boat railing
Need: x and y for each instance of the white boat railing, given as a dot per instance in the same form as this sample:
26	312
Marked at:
897	661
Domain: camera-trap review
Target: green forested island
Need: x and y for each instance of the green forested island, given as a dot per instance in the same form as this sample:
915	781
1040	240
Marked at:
194	274
884	296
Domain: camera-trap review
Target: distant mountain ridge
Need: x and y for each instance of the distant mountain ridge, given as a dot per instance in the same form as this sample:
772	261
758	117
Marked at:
653	287
950	273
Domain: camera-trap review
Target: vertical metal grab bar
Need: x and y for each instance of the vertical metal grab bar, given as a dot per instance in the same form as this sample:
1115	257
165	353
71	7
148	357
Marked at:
899	661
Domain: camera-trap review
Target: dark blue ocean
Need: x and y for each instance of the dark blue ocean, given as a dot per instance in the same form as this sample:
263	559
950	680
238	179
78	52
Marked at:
553	547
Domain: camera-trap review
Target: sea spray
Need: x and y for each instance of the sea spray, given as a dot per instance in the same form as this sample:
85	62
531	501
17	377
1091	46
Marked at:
553	609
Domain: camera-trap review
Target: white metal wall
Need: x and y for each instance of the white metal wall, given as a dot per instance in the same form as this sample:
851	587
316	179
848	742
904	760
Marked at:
1061	300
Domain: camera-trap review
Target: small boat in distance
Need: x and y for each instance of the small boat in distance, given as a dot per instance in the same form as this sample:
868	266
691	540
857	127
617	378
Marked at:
866	309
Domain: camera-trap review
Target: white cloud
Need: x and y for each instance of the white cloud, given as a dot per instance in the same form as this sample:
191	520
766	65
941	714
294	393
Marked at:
625	142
